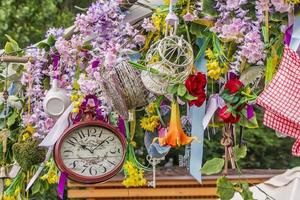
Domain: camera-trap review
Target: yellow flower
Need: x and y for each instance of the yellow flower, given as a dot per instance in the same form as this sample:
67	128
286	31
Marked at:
294	1
44	177
214	74
76	104
53	179
75	110
150	123
215	70
8	197
30	129
74	97
209	53
212	64
151	108
134	176
17	191
25	136
7	182
248	90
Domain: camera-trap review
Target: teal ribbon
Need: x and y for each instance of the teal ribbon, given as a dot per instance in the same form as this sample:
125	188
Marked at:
197	115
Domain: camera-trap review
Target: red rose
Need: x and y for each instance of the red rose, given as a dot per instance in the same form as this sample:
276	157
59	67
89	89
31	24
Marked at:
199	101
227	116
233	85
195	84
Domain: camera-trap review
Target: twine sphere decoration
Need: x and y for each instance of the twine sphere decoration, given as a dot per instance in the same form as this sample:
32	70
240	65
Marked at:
133	89
173	57
124	89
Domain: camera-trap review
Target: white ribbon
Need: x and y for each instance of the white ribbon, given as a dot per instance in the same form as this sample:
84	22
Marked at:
58	128
214	102
14	170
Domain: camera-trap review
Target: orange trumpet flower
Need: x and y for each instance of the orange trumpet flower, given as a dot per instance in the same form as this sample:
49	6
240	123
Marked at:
175	135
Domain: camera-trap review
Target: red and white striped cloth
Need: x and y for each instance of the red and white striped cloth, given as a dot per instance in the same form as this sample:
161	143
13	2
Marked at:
281	99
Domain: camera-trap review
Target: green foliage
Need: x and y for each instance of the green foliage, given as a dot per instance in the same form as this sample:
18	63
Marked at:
239	152
264	149
27	20
213	166
28	153
225	189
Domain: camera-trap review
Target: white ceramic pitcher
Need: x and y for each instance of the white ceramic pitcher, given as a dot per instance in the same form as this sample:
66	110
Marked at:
56	100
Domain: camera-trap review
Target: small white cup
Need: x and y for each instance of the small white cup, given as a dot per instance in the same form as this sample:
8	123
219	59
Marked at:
56	100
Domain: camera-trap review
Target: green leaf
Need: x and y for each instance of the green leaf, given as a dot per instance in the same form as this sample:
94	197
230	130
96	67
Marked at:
225	189
144	68
51	40
172	89
203	47
208	8
181	91
240	152
246	193
8	48
198	30
189	97
252	123
36	187
44	45
213	166
11	46
12	118
46	83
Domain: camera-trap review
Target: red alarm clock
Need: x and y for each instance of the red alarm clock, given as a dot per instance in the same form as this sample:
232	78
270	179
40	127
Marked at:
91	151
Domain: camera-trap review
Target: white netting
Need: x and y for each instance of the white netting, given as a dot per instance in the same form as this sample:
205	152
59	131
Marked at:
173	57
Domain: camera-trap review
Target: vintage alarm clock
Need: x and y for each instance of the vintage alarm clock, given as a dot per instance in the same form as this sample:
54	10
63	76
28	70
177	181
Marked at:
90	151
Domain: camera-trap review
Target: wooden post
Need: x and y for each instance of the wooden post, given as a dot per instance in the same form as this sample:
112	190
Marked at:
16	59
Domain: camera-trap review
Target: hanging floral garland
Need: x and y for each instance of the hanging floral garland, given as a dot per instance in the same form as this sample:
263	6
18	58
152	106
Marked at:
187	57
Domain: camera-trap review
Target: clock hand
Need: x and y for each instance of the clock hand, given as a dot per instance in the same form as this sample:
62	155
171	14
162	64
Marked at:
99	144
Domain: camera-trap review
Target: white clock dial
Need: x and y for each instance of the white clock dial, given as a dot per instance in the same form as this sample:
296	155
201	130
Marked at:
92	151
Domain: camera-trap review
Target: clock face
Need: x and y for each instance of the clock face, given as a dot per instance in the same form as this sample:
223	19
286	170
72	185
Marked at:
91	153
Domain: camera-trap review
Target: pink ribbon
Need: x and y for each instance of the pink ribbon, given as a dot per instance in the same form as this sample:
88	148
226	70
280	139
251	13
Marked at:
250	111
61	184
122	126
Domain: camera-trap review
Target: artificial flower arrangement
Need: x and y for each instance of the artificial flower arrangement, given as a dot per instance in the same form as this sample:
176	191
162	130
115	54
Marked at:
241	45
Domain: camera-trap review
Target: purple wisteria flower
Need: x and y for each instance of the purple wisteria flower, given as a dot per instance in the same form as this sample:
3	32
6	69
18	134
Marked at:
56	32
188	17
148	25
253	48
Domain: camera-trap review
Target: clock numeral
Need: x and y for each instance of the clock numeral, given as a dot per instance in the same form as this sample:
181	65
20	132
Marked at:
81	134
72	141
110	139
84	168
67	153
103	169
100	134
73	165
111	162
113	151
91	132
93	171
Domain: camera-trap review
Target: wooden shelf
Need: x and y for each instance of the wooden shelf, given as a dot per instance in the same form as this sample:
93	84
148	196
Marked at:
175	183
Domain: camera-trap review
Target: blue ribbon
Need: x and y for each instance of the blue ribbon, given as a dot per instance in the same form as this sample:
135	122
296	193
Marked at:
197	115
295	40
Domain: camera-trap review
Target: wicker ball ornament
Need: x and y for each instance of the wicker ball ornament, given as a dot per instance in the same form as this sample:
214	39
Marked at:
124	89
173	58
